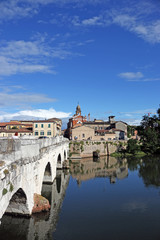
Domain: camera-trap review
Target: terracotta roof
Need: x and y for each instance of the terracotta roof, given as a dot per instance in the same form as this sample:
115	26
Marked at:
96	123
3	124
22	130
115	129
28	125
54	119
10	123
44	121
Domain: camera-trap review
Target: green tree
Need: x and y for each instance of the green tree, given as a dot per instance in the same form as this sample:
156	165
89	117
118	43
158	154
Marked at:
150	133
133	146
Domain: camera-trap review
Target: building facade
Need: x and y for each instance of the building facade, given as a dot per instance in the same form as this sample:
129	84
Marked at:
76	121
79	128
39	128
47	128
15	128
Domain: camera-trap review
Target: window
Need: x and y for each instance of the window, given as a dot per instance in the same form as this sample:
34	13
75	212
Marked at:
42	133
41	125
36	125
49	133
49	125
36	133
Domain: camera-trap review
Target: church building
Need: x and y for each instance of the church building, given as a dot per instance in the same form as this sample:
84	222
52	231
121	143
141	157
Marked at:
76	121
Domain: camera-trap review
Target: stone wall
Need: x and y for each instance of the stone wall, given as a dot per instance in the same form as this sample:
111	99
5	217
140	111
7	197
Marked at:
13	149
82	149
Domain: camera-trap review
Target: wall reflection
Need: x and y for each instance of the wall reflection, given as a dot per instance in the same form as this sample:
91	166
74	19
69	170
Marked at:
89	168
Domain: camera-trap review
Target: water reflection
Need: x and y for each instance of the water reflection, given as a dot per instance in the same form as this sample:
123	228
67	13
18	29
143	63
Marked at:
40	226
98	209
88	168
149	169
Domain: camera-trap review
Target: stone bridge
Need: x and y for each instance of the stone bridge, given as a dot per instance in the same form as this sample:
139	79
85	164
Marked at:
25	164
43	225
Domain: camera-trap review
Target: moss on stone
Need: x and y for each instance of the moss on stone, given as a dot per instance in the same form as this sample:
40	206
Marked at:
6	171
2	163
4	191
11	187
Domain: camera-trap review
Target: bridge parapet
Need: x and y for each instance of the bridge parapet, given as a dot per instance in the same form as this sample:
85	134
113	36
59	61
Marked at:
11	148
25	150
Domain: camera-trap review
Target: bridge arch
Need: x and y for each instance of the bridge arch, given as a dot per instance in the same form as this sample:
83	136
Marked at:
18	204
65	155
38	157
47	178
59	159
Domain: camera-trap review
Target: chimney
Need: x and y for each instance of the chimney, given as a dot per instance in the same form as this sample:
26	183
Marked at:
111	119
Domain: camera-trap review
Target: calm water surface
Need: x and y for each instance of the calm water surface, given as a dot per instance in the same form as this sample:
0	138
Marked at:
109	199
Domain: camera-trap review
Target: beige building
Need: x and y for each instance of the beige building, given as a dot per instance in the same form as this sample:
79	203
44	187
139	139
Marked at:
15	128
39	128
88	133
100	130
15	132
47	128
82	133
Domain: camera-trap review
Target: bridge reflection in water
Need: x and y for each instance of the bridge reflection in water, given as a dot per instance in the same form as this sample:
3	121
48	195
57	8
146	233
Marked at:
41	225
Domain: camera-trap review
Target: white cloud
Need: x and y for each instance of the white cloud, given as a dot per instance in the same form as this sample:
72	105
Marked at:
135	117
138	17
30	56
149	31
136	77
22	99
15	9
131	75
34	114
140	112
92	21
133	122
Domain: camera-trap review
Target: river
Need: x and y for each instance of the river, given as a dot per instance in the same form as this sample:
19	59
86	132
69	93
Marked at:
116	199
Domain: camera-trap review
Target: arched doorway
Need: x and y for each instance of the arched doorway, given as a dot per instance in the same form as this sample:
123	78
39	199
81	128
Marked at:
18	204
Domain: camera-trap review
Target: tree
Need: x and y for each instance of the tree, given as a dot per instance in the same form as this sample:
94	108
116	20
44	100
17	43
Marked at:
150	133
133	146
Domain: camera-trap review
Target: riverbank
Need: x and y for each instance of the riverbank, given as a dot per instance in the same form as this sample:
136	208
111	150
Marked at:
84	149
126	154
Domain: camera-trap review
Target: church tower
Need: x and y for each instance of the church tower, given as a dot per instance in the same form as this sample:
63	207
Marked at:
78	110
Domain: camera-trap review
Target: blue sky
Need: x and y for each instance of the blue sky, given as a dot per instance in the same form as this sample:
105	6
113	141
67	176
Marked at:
104	54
